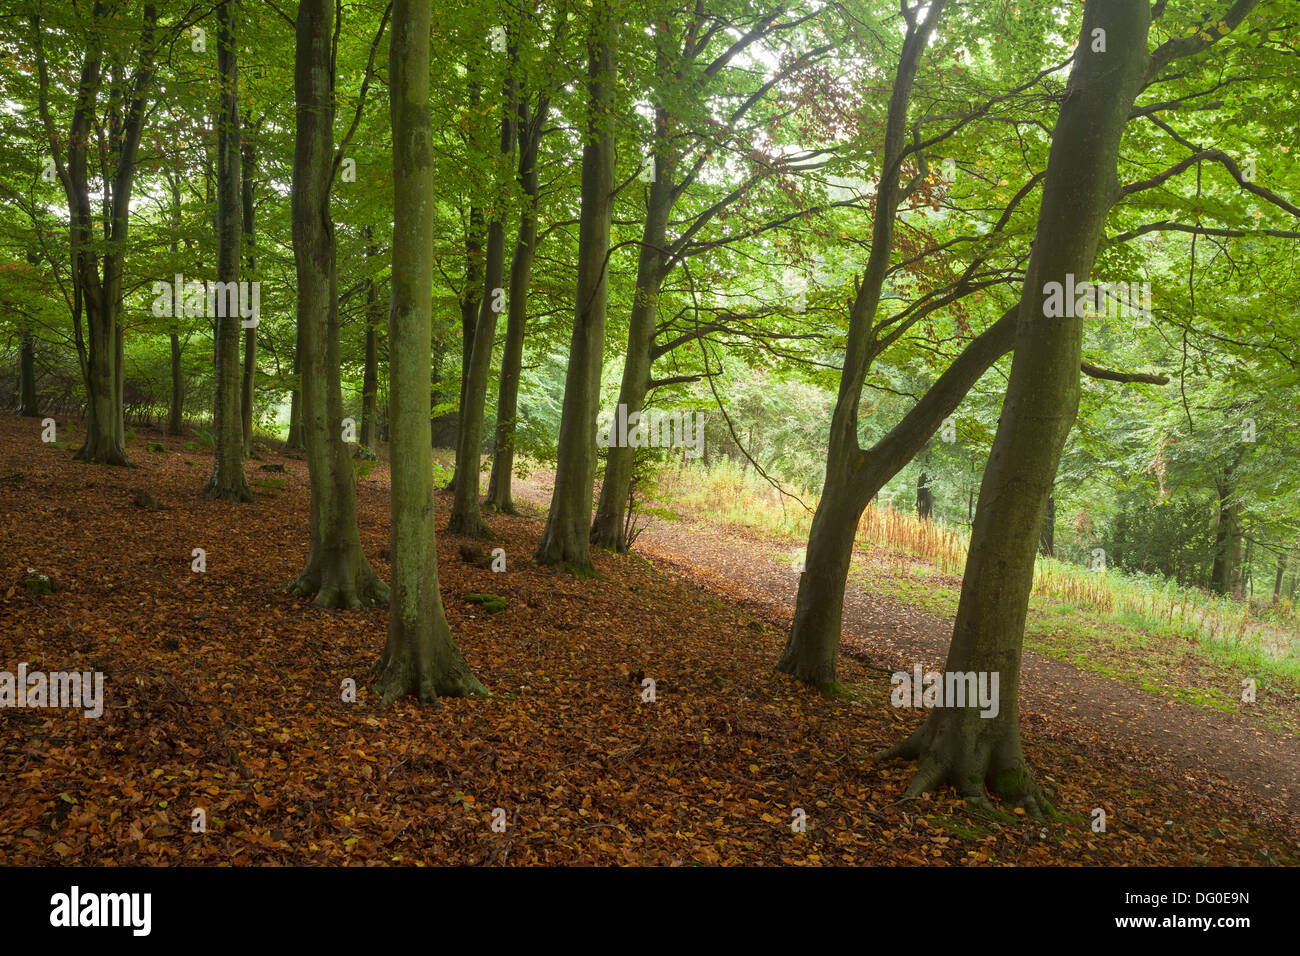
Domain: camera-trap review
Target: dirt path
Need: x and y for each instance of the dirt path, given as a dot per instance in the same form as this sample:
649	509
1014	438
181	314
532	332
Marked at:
1215	754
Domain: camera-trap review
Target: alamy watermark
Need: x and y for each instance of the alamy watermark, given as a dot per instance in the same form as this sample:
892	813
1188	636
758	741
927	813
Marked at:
653	429
951	689
215	300
57	689
1097	300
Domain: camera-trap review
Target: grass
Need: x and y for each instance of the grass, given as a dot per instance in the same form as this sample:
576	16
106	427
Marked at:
1178	642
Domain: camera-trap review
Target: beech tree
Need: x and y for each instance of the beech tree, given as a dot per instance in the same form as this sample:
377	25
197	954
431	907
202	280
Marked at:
466	517
958	746
337	572
122	99
420	657
565	538
228	481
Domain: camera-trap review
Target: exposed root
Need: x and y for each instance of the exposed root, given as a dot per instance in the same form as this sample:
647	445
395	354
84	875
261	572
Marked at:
973	771
223	493
340	585
401	675
469	526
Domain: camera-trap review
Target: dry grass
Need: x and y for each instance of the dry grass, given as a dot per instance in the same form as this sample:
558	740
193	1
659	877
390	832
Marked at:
727	494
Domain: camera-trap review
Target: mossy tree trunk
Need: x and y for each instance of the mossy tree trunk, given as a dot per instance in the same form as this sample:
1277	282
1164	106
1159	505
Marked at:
958	746
337	574
565	539
419	657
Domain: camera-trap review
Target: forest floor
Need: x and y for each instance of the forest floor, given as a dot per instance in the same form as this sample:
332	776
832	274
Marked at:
223	694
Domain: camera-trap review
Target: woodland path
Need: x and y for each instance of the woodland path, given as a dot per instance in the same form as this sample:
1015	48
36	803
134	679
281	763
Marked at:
1208	752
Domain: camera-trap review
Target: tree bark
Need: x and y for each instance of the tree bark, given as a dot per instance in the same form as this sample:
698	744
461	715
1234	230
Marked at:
466	518
96	271
337	574
609	528
228	481
1047	534
175	410
248	385
27	376
958	745
293	441
370	377
499	495
419	657
565	539
812	648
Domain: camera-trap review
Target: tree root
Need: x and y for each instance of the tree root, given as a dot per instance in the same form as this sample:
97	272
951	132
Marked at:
974	772
399	675
339	586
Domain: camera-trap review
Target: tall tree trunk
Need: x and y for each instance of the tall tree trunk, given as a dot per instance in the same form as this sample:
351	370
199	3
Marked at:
812	648
175	410
228	481
521	270
102	444
1281	572
473	290
1227	535
294	442
248	385
960	745
27	375
608	529
370	377
337	574
566	536
469	307
420	656
96	277
466	517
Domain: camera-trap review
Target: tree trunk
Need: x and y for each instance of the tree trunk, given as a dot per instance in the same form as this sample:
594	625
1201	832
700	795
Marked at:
608	529
420	657
248	385
1047	534
566	536
337	574
227	481
176	409
102	445
1281	572
521	270
924	497
294	440
853	477
370	377
469	307
1227	538
960	745
27	376
466	517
